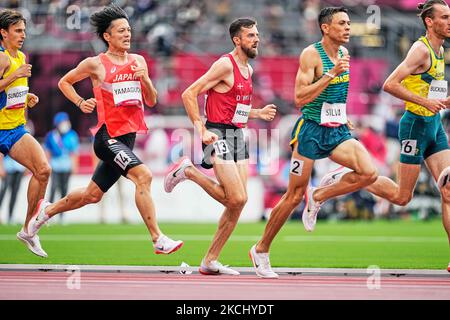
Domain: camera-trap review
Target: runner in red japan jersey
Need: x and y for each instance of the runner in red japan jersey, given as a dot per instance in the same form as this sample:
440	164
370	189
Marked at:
121	87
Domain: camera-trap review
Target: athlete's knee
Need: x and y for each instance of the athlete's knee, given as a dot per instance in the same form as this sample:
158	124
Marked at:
403	200
368	175
144	177
43	172
92	197
237	201
294	197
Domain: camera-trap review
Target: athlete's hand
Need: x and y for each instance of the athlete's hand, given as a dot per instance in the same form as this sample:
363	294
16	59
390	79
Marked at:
209	137
140	72
87	106
24	71
342	65
268	112
435	105
32	100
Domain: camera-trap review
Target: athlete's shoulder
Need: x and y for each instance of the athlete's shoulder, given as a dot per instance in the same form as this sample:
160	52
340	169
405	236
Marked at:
310	52
419	47
223	63
137	57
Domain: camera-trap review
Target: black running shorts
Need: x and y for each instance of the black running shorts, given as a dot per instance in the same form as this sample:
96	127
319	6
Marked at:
116	157
231	144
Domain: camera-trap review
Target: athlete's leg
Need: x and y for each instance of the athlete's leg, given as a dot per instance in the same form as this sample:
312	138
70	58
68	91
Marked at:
298	182
401	193
29	153
76	199
351	154
436	163
142	178
232	179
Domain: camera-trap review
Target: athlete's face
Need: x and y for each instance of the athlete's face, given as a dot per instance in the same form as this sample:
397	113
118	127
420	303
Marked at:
248	40
440	23
15	35
339	28
119	35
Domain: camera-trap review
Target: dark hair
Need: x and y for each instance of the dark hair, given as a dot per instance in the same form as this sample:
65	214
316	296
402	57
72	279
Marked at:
102	20
8	18
427	9
326	15
236	25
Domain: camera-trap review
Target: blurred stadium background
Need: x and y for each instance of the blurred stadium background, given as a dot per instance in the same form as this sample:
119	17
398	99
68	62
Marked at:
180	39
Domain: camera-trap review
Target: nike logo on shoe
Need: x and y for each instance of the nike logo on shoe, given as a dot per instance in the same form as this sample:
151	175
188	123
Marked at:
175	173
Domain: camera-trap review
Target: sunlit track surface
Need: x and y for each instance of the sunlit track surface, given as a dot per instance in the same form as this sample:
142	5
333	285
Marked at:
169	286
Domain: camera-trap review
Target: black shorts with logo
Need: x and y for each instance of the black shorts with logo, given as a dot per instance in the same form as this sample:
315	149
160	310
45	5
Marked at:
116	157
231	144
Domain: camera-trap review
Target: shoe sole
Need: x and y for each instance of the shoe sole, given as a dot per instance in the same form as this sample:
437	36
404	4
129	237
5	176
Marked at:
171	251
30	247
256	270
171	171
218	273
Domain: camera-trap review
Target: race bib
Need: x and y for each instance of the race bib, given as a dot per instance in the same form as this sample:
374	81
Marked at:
241	114
221	147
333	114
438	89
127	93
16	97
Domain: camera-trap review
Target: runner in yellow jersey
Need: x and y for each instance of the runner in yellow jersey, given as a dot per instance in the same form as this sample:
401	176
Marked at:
419	81
14	98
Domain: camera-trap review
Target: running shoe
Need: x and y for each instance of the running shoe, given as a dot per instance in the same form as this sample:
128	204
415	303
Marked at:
165	245
216	268
176	174
261	263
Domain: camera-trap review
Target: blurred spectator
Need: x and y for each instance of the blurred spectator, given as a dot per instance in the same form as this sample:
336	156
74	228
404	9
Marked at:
61	145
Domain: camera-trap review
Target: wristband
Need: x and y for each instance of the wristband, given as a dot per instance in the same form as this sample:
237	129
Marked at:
332	76
80	102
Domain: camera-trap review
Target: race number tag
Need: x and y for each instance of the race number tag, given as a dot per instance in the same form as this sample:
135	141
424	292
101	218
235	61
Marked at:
296	167
221	147
438	89
333	114
241	114
16	97
409	147
127	93
122	160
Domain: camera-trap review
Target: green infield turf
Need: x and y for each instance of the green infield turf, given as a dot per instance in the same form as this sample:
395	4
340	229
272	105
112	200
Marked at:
387	244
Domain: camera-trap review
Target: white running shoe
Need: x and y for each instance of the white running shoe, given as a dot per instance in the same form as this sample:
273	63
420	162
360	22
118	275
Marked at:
334	176
216	268
32	242
176	174
261	263
38	220
444	178
309	216
165	245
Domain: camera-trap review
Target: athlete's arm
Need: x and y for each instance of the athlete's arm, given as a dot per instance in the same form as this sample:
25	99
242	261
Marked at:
305	90
21	72
148	90
82	71
218	72
267	113
413	63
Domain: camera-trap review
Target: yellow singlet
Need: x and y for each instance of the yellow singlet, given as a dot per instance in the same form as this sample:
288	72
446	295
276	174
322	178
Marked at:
12	113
